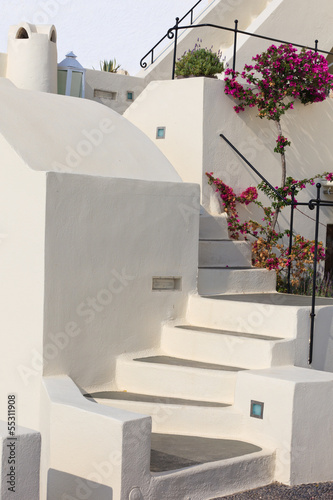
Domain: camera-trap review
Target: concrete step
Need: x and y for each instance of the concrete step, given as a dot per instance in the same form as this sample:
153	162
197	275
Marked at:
213	227
247	467
183	378
232	280
224	253
172	452
175	415
249	313
225	347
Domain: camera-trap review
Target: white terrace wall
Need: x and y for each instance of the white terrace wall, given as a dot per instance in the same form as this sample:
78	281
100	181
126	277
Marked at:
114	87
105	241
196	111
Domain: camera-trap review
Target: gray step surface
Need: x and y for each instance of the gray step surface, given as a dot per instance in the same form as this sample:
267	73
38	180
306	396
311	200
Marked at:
168	360
279	299
225	332
147	398
171	452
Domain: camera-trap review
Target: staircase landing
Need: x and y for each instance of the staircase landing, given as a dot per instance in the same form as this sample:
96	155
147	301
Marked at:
172	452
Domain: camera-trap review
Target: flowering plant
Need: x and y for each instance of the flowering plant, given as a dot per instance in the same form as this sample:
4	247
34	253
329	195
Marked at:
199	62
268	248
278	77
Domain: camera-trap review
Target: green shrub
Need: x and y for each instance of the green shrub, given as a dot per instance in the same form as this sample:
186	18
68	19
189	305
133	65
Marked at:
199	62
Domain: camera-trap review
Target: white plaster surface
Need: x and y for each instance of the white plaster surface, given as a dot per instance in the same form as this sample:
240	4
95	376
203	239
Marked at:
218	281
181	382
181	105
113	82
32	62
224	349
19	463
213	227
105	442
177	106
228	253
298	405
86	137
93	281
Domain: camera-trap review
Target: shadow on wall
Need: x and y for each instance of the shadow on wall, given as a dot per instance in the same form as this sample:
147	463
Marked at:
61	485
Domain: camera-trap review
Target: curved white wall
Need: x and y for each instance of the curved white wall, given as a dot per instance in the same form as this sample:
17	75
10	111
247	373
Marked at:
77	136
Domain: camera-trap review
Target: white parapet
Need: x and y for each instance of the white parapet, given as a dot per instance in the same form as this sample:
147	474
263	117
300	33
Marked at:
20	463
297	419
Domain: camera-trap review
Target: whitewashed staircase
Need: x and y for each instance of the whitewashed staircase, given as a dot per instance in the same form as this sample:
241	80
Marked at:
225	264
188	385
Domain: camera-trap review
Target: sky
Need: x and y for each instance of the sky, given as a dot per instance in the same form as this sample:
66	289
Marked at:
100	29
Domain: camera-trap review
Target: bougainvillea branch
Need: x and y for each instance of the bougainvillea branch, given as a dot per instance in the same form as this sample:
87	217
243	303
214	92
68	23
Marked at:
276	79
268	249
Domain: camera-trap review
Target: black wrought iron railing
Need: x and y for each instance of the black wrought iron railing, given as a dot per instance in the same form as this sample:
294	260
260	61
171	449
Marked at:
173	34
151	52
312	204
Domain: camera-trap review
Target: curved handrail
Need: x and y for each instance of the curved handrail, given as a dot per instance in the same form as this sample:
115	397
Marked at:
169	35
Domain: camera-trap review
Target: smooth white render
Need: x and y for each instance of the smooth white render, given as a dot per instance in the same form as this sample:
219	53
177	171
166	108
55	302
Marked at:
19	463
32	61
77	136
92	213
196	111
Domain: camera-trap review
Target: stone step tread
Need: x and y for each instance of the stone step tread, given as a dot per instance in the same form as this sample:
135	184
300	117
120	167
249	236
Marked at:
230	333
279	299
171	361
171	452
223	239
230	268
148	398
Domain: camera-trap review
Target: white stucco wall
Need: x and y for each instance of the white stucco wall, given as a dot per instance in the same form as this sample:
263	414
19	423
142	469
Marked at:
113	82
86	137
296	419
193	140
22	222
105	240
178	107
91	451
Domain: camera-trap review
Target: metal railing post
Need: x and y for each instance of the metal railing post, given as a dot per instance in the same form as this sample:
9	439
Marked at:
235	46
314	282
291	229
316	46
175	48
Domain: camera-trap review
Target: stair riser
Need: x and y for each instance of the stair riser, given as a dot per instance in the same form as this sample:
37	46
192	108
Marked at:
217	348
263	319
187	420
224	254
213	227
180	382
215	479
217	281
